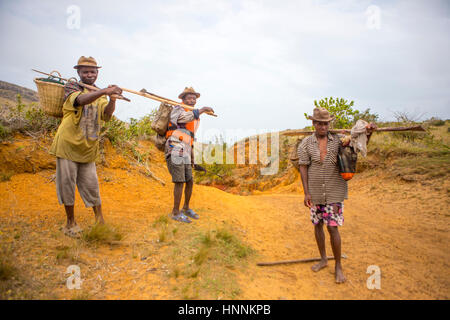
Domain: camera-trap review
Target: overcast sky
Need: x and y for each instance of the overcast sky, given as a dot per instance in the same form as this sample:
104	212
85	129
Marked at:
259	64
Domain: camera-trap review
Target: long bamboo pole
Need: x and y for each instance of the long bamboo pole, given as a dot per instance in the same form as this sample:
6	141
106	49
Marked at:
146	94
87	86
387	129
143	93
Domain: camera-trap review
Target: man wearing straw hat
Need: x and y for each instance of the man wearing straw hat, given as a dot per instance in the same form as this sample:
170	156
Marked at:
76	144
183	124
324	188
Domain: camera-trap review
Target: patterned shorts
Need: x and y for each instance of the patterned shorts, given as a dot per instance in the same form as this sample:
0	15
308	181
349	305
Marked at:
331	214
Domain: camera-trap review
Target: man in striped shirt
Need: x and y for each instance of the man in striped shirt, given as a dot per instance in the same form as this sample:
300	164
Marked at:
324	188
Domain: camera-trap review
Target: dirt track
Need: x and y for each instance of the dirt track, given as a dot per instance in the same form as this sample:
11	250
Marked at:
396	226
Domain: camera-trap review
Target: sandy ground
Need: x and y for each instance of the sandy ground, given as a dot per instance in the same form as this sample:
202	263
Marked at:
401	228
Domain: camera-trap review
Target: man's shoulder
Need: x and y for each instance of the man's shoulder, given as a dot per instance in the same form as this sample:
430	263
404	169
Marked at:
71	87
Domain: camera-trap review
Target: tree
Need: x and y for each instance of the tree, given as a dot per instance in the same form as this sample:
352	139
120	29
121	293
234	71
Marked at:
343	111
365	115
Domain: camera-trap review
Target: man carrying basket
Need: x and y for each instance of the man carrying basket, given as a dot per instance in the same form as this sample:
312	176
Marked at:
76	144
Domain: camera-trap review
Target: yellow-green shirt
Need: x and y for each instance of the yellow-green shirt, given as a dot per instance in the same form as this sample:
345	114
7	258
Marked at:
78	134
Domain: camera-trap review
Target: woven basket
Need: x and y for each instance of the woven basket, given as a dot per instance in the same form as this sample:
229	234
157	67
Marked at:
51	94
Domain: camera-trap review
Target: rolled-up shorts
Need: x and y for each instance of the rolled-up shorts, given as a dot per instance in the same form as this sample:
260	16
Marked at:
179	168
330	214
83	175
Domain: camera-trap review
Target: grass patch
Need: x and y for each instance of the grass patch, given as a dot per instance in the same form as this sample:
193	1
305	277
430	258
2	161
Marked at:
6	176
233	244
161	220
101	233
7	271
208	261
81	295
201	255
62	253
162	234
66	253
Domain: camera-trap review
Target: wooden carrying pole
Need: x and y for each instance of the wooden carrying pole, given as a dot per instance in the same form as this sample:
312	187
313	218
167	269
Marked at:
261	264
387	129
145	93
83	85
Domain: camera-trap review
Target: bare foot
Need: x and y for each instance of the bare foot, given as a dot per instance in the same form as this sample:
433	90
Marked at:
318	266
340	278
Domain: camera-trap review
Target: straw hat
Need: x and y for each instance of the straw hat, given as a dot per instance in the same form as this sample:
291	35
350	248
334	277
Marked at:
187	91
86	62
322	115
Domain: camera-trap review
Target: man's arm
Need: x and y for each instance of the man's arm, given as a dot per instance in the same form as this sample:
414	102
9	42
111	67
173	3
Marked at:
304	174
87	98
187	116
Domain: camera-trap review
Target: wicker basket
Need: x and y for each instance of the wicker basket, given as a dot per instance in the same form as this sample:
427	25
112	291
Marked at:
51	94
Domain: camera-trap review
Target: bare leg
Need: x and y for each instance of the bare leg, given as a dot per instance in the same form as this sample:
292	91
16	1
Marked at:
320	239
177	193
98	214
188	193
335	239
70	217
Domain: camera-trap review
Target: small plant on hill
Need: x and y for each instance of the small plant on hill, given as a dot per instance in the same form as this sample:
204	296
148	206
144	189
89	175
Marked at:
25	119
101	233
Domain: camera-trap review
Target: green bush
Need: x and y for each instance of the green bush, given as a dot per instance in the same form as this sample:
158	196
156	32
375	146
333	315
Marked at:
343	110
119	132
25	119
340	108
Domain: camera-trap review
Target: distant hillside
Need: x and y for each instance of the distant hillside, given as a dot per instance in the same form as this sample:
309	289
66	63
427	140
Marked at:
9	91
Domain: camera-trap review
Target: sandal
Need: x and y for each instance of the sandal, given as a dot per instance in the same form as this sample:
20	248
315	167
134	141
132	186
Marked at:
180	217
73	232
190	213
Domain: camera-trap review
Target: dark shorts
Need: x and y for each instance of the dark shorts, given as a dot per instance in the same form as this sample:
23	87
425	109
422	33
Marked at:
179	170
330	214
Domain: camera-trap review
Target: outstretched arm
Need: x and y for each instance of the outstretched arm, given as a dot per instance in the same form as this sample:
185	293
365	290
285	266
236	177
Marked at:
206	110
87	98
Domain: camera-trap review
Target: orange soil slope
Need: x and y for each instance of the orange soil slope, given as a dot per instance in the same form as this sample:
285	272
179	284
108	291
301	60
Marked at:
400	227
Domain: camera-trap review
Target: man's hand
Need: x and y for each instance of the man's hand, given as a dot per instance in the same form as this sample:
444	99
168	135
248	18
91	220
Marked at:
206	110
370	128
308	201
113	90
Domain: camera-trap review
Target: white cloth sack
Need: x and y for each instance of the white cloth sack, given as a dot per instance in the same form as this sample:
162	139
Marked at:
359	137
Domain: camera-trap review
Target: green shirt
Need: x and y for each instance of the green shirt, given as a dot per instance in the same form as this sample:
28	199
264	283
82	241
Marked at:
78	133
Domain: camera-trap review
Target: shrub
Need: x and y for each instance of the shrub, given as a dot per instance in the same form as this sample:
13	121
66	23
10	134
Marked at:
118	132
101	233
340	108
22	118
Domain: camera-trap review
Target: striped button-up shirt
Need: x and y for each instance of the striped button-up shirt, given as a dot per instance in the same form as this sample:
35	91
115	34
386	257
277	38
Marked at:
325	184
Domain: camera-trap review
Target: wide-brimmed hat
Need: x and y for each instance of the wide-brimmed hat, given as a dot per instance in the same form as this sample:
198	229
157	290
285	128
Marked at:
188	91
321	114
86	62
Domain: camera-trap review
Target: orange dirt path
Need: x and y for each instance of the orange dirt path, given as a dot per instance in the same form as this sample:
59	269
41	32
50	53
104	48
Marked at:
402	228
